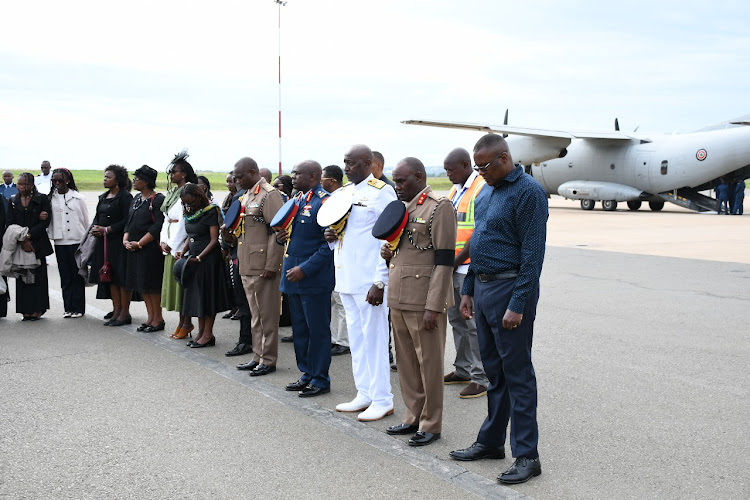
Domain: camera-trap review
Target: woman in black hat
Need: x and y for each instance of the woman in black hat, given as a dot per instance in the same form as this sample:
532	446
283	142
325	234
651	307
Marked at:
109	223
145	262
206	290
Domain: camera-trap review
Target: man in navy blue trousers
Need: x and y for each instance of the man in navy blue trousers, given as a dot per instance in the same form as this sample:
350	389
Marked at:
501	291
307	277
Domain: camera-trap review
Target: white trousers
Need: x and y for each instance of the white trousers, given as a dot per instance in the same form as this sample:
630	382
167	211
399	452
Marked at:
368	340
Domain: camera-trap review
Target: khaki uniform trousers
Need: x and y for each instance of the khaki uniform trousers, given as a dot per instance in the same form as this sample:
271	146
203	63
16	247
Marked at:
264	298
420	356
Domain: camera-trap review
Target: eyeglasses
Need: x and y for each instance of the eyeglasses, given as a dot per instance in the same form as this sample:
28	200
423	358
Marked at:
483	168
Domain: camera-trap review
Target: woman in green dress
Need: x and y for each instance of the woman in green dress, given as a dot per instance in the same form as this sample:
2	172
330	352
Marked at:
173	238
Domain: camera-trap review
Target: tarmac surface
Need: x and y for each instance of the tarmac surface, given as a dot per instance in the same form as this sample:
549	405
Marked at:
641	352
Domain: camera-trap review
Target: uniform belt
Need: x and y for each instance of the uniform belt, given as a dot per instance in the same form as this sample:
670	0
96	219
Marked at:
504	275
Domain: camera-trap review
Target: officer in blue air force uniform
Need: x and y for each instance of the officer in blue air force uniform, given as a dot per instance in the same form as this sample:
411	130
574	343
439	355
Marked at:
307	277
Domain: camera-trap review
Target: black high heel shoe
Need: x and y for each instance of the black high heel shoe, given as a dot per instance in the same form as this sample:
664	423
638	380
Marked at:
120	322
157	328
210	343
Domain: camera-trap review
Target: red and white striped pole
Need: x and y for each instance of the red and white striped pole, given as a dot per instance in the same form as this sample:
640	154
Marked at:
281	3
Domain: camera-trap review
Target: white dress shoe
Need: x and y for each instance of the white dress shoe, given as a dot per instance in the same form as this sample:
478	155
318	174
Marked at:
357	404
375	412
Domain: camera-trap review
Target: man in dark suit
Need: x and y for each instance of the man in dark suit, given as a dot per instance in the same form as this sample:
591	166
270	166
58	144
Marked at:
307	278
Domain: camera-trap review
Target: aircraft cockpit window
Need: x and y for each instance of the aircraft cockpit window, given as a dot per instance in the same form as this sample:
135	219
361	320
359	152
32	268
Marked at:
664	166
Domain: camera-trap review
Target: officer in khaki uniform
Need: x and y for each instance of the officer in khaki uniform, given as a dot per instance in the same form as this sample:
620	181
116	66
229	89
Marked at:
260	264
421	273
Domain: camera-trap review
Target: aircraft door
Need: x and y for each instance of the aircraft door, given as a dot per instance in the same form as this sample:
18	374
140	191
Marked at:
641	169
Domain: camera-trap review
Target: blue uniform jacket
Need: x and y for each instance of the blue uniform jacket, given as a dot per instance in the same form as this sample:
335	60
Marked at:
308	248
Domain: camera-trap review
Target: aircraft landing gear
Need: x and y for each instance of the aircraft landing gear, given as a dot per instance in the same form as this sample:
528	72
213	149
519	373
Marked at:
655	206
634	205
588	204
609	205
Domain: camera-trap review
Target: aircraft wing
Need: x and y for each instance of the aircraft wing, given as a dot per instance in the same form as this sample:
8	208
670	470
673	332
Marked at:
733	123
525	131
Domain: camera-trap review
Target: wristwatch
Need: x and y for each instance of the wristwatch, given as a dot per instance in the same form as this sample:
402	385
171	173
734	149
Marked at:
379	284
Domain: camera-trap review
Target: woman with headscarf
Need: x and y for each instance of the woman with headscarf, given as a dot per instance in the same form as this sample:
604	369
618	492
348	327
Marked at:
30	209
173	238
206	291
145	262
68	226
109	223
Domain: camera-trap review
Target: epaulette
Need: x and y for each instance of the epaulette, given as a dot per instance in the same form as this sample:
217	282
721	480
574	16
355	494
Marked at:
376	183
268	187
322	193
435	196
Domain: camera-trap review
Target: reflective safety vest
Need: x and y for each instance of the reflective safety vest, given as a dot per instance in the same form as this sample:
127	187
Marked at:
465	213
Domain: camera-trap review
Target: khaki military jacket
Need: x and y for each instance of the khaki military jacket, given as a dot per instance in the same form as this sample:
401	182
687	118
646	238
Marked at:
257	249
421	271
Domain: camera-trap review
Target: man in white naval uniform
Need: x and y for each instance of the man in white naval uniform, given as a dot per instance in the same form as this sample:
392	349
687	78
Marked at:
361	277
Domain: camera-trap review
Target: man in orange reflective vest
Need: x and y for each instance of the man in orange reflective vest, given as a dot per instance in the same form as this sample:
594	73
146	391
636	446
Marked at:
468	364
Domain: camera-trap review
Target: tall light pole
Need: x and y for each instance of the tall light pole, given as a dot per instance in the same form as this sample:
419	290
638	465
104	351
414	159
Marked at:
280	3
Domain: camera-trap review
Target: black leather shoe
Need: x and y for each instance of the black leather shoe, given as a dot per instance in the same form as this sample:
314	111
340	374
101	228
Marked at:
521	471
288	338
401	429
477	451
109	315
311	391
239	350
248	366
339	349
120	322
155	328
262	369
297	386
422	438
210	343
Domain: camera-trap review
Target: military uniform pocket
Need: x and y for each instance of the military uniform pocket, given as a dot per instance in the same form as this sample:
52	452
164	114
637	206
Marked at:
414	284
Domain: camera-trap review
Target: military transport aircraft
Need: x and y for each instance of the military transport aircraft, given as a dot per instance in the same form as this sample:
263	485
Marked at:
617	166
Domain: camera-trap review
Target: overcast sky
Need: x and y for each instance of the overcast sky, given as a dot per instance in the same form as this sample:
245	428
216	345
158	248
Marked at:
87	83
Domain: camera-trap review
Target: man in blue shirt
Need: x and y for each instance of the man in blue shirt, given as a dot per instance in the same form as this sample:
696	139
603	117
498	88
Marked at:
7	188
307	278
502	288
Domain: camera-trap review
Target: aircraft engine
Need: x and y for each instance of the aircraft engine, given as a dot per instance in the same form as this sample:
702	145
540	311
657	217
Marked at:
528	150
590	190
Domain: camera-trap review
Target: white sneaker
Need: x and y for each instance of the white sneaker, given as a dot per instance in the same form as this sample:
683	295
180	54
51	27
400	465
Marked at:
375	412
357	404
76	315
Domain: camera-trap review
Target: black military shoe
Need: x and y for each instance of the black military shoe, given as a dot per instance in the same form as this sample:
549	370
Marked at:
521	471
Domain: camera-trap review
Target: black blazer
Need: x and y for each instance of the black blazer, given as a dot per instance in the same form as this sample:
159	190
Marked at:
29	217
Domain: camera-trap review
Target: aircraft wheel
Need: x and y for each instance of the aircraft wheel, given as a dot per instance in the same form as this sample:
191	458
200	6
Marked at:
634	205
588	204
655	206
609	205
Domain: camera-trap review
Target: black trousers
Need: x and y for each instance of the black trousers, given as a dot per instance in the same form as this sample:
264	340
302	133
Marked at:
72	284
506	355
243	308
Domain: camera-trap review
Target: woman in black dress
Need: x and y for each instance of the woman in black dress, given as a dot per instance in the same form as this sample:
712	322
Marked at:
31	209
145	262
109	221
206	293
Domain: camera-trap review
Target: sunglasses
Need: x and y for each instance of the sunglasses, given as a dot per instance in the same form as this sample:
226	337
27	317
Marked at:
483	168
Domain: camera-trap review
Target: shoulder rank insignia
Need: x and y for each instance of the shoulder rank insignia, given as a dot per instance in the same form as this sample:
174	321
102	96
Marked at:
322	193
268	187
421	199
376	183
